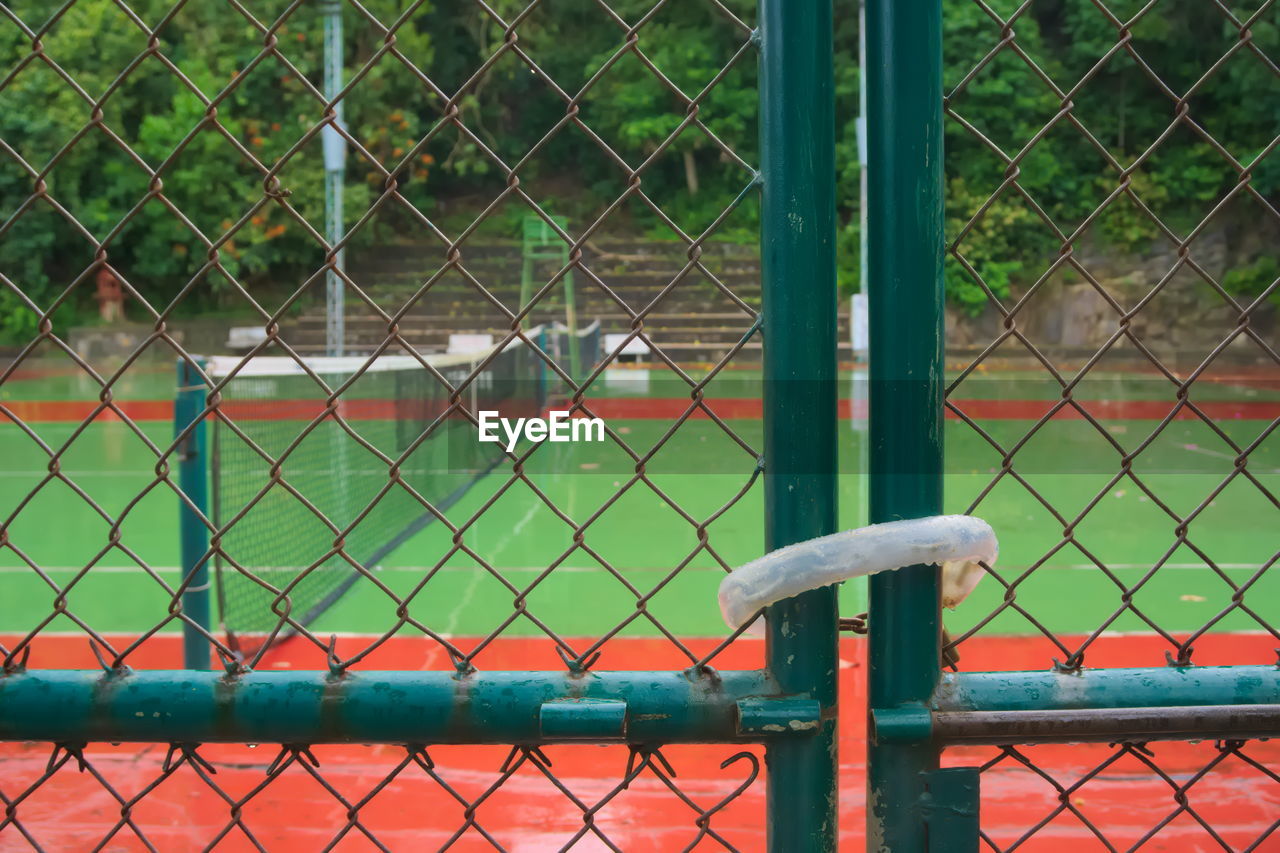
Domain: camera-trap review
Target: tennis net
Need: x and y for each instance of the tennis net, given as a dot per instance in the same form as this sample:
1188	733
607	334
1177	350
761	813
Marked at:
305	506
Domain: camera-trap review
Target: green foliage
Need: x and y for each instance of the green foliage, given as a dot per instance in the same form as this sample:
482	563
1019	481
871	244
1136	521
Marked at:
1254	279
1071	174
677	148
207	136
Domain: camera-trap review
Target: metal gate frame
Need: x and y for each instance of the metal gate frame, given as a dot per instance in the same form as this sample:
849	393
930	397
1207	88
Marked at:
915	709
790	707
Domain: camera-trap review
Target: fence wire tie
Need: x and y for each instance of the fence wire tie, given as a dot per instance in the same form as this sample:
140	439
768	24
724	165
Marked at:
337	667
418	755
13	667
578	666
186	752
119	668
232	663
1072	666
73	750
703	670
290	752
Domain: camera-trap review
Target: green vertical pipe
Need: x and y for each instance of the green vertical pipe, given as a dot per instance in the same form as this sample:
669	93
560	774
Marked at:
905	254
193	464
797	133
951	810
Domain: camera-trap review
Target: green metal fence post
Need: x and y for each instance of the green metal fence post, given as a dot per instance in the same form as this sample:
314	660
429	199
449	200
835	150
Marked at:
193	465
799	322
951	810
905	243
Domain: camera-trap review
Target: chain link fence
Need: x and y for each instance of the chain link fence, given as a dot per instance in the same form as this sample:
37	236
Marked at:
323	395
1111	221
1116	225
165	161
483	798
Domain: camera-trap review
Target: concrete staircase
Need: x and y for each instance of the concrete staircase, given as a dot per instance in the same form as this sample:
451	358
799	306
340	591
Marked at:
692	321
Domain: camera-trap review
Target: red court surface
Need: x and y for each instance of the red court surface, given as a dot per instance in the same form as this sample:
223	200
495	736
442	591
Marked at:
528	811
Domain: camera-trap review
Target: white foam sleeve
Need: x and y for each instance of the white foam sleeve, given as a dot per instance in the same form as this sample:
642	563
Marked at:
958	543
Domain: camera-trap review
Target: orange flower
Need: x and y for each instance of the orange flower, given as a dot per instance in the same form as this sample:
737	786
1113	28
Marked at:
275	125
396	116
275	232
179	249
427	158
257	220
397	151
258	141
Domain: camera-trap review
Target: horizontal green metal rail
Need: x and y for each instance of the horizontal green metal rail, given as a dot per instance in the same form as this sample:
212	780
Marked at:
1108	688
1105	705
399	707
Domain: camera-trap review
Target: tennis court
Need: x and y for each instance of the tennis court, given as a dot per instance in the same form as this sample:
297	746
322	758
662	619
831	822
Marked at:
629	550
638	588
983	271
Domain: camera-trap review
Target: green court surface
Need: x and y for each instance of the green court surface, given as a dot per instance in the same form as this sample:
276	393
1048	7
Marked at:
630	551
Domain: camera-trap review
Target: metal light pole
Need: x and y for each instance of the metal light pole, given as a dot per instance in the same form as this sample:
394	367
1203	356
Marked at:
862	150
335	153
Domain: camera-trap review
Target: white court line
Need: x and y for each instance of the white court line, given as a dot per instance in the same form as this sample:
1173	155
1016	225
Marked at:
150	475
456	612
124	570
74	473
1217	454
515	530
1180	566
161	570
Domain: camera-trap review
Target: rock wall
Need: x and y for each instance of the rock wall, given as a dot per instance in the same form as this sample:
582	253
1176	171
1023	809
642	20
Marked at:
1174	310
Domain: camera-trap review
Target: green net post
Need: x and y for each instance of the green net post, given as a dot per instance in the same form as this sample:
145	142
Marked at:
193	481
905	254
797	134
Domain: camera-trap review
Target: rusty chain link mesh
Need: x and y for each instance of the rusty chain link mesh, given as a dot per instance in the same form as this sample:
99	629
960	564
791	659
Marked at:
1140	460
1071	484
481	797
1210	796
575	528
274	167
